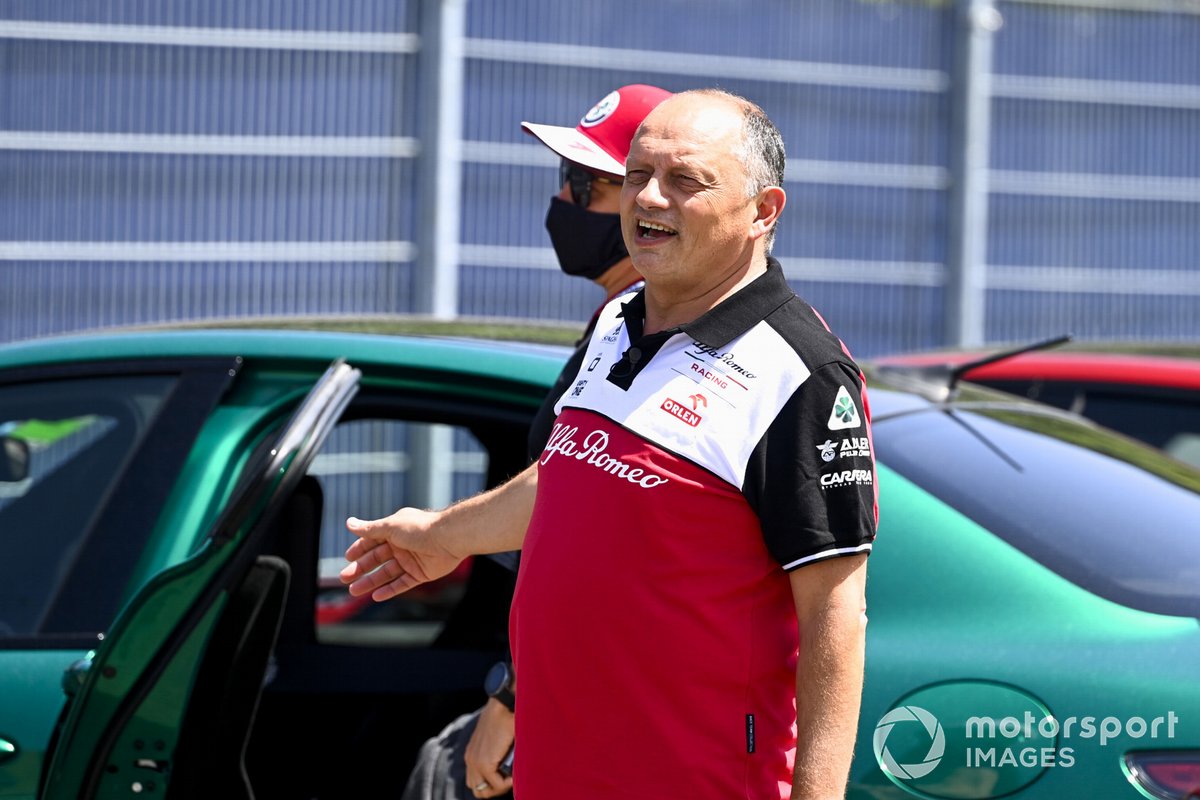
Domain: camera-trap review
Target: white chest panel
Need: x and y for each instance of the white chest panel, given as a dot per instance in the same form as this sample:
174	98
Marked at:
709	406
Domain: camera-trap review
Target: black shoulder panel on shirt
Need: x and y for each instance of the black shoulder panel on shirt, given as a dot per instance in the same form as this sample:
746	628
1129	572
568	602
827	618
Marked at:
799	324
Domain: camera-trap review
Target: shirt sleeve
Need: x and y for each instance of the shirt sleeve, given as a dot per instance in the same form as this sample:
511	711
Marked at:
811	478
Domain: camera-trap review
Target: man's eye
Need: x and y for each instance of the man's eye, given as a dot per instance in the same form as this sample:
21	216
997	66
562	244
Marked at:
636	176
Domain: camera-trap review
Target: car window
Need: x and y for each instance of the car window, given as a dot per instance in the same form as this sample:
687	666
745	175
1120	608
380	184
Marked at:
1110	515
1164	417
369	468
1167	423
73	439
1049	392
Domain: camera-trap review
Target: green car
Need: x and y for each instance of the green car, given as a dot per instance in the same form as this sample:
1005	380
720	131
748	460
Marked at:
171	517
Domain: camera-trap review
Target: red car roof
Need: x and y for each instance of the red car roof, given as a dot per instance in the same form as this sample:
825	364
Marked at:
1123	368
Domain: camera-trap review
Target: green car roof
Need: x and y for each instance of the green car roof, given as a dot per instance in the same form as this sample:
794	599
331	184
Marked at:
519	361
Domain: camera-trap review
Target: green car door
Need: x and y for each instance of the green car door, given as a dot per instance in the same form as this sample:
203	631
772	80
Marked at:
171	690
91	452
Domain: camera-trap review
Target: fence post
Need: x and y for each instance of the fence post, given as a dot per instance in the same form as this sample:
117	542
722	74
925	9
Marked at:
439	175
966	262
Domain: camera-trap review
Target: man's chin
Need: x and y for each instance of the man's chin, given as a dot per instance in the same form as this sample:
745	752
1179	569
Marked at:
652	256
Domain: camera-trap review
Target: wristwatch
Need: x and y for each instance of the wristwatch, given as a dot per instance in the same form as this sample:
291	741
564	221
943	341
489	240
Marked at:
499	684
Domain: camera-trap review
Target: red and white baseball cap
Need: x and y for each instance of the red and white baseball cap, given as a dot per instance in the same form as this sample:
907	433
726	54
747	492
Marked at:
601	139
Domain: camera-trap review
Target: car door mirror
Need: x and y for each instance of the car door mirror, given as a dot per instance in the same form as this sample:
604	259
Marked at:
14	459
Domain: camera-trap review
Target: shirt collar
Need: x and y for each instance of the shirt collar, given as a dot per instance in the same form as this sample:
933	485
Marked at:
730	318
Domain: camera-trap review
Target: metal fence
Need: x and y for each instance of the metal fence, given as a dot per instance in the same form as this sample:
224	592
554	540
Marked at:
958	172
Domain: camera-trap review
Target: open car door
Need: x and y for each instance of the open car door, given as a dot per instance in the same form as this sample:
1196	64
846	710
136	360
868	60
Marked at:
164	705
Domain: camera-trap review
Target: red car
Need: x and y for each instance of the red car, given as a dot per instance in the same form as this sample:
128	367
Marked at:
1150	393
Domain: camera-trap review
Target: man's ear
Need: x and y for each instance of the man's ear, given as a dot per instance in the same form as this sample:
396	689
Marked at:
769	206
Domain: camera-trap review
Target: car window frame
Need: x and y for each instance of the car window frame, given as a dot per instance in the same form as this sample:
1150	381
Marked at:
439	668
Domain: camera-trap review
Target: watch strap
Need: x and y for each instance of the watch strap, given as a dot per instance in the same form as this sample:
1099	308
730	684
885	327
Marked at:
506	697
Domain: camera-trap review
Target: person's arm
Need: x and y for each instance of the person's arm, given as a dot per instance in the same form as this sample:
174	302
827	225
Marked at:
831	612
412	546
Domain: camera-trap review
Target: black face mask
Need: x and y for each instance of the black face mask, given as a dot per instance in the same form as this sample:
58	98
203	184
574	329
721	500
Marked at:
587	242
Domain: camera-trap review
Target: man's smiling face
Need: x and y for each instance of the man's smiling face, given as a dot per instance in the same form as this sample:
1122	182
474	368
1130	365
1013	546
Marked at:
685	213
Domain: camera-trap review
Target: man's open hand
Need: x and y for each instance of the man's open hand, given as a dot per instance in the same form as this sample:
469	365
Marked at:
394	554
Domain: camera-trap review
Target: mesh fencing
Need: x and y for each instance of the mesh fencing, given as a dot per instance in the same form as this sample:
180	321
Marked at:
177	161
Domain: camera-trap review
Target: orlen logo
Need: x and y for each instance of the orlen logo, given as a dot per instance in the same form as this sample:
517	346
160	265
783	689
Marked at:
679	412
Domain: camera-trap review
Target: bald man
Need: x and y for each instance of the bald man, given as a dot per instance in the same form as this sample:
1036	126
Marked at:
689	618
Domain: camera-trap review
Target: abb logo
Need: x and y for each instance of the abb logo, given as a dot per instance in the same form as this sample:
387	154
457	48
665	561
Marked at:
679	412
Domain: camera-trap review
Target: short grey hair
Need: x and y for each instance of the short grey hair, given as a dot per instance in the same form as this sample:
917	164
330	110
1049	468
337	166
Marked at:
761	151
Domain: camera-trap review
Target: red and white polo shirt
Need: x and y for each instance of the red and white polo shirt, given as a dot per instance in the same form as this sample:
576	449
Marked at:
687	472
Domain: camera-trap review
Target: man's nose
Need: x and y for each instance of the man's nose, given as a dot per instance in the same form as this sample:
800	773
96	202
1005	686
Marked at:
650	195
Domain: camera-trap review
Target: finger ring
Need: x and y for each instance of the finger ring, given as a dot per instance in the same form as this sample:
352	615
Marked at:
481	787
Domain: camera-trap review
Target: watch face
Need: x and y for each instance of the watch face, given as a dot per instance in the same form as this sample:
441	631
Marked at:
497	678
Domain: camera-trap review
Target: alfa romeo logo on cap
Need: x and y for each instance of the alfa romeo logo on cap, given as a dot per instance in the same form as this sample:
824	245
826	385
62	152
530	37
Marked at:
602	110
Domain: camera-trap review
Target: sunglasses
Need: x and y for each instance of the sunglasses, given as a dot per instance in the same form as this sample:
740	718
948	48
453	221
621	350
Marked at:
580	180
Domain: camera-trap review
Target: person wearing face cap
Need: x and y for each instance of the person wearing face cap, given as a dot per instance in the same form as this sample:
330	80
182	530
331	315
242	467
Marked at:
472	756
583	220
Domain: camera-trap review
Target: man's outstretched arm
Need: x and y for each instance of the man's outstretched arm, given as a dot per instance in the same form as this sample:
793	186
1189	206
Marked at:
412	546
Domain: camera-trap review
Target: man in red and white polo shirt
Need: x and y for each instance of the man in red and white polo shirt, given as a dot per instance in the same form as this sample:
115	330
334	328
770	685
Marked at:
689	616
